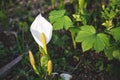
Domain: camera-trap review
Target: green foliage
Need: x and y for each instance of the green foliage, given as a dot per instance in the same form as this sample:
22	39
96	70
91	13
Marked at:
115	33
113	51
88	36
100	65
23	26
83	27
74	31
60	20
2	15
82	5
101	42
108	53
116	54
59	41
108	13
89	39
43	60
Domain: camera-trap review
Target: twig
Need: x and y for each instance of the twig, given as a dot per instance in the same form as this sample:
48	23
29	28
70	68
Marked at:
4	70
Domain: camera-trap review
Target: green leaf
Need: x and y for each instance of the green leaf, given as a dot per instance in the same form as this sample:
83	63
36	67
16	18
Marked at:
116	54
88	43
85	32
67	22
59	20
89	29
87	36
89	39
112	14
74	31
115	32
113	51
57	25
101	41
57	13
77	17
108	52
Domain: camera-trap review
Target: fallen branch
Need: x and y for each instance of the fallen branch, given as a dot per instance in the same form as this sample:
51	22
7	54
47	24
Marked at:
5	69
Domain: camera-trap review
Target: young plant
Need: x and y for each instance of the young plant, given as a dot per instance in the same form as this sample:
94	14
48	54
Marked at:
92	37
41	31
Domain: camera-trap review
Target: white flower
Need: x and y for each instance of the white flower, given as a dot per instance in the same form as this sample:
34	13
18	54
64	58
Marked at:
41	25
66	76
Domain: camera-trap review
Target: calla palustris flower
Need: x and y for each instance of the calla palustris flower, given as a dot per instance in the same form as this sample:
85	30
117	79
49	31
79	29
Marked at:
40	27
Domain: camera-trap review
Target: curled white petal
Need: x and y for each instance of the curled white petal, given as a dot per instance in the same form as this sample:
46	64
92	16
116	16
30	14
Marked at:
41	25
66	76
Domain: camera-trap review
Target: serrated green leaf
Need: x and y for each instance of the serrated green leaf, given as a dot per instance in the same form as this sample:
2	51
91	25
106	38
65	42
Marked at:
88	43
56	14
89	29
98	45
85	32
87	35
67	22
101	41
104	38
58	24
115	32
59	20
62	22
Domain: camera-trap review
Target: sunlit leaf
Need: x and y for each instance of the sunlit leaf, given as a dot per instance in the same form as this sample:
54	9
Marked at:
89	29
55	15
89	39
88	43
85	32
68	23
101	41
59	20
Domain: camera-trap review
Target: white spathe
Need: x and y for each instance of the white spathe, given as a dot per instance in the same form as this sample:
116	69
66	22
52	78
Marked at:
41	25
66	76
